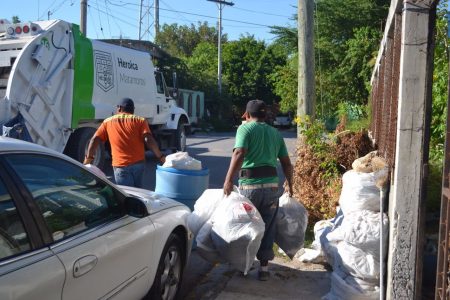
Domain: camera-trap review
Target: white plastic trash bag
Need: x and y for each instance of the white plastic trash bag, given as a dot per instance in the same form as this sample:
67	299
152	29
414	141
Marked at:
291	222
204	207
341	290
237	231
357	262
359	191
362	230
182	161
205	245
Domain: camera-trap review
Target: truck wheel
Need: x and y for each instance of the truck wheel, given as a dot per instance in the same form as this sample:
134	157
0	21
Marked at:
180	142
78	144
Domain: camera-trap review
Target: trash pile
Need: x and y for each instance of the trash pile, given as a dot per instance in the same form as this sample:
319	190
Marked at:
350	242
182	161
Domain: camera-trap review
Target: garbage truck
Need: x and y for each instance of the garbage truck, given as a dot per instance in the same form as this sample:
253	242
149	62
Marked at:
57	86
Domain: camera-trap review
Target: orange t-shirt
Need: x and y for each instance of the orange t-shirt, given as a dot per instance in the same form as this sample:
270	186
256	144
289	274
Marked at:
125	133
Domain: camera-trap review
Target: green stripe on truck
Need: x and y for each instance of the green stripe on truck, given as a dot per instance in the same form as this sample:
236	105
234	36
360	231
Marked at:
82	107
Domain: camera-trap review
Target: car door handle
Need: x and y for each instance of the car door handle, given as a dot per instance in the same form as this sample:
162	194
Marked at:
84	264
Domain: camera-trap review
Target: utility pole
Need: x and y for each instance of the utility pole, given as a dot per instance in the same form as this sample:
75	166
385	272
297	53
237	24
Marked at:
140	20
220	5
306	84
83	8
156	17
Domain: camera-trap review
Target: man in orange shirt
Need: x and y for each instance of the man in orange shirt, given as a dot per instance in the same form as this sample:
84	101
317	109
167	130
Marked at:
128	135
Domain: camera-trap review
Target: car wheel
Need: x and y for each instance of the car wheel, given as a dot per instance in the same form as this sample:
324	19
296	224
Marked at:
169	273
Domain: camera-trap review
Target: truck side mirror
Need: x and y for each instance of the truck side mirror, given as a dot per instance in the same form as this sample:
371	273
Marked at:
175	86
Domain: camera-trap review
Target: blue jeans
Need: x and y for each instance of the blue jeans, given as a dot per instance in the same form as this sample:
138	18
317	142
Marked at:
266	201
131	175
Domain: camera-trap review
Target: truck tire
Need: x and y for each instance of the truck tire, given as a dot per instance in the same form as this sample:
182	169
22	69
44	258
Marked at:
180	137
78	143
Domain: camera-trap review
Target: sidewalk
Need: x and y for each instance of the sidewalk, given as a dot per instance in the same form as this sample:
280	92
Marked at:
289	280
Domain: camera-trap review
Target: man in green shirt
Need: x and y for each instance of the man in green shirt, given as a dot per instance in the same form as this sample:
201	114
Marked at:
256	150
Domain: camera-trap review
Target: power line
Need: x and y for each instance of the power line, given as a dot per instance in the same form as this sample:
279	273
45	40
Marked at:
111	15
93	21
107	18
260	12
100	21
183	17
211	17
48	9
192	14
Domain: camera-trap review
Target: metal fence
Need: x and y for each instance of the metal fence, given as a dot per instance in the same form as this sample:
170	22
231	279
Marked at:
384	119
384	97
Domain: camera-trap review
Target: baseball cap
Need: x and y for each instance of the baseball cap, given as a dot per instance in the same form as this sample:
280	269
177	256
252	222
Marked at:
126	103
256	107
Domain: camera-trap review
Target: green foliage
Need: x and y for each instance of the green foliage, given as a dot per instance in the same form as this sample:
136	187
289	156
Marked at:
352	111
247	64
348	77
285	82
440	82
202	66
287	37
181	40
16	20
347	35
439	111
315	135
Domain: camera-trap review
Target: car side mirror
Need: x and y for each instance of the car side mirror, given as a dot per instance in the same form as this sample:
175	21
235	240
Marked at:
135	207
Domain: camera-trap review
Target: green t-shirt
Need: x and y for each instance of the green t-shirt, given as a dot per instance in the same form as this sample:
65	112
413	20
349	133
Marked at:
264	145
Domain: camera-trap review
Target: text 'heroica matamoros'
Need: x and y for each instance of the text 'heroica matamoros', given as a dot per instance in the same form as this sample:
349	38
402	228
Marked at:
127	64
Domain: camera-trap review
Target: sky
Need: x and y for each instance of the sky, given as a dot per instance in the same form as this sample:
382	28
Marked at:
120	18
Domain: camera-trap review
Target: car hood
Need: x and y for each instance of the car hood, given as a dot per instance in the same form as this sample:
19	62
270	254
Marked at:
153	201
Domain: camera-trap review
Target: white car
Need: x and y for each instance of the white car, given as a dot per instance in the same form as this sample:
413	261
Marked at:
66	233
282	120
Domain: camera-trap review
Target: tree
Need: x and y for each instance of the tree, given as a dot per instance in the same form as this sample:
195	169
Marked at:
202	65
350	79
15	20
181	40
285	81
247	64
347	36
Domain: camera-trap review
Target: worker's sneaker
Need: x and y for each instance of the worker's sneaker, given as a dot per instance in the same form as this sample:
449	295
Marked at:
263	275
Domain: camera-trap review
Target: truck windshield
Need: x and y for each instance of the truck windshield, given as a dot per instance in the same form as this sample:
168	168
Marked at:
159	83
161	87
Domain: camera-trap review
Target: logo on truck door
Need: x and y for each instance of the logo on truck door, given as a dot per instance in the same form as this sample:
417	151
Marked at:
104	76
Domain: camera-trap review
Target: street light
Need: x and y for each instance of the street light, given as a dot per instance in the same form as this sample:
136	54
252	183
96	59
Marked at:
220	4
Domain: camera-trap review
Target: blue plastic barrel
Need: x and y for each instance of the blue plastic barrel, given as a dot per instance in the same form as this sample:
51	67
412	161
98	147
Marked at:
185	186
